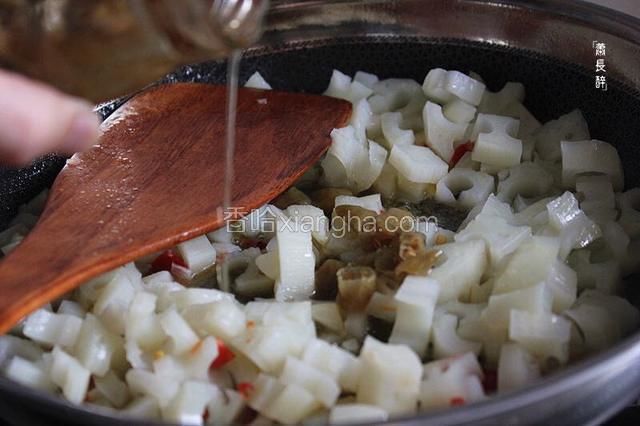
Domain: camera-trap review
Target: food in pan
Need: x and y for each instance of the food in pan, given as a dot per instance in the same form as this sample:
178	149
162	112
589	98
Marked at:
446	248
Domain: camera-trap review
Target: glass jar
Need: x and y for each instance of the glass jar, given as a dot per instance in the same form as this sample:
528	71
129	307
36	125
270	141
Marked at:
100	49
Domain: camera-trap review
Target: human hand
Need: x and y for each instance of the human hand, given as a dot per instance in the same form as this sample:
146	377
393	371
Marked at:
36	119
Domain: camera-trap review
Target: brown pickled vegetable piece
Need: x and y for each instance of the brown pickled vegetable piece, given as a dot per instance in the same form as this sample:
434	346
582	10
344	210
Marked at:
353	219
386	259
387	283
420	264
292	196
394	220
356	285
326	280
325	198
411	245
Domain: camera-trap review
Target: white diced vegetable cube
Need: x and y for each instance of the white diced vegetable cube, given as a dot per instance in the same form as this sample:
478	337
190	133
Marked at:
446	341
182	336
416	300
441	133
516	367
569	127
590	157
323	387
52	329
463	264
392	378
296	263
189	403
357	413
198	253
418	163
334	361
370	202
95	346
28	373
545	336
70	375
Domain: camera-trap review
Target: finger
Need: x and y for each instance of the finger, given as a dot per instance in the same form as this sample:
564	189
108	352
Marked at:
36	119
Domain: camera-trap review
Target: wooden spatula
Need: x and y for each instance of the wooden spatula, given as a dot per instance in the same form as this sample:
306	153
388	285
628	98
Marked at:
156	179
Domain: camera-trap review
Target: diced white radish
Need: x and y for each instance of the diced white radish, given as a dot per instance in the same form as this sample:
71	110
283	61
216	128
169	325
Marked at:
69	307
143	328
182	336
339	364
576	230
48	328
197	253
459	112
95	346
291	405
142	382
394	135
460	266
591	157
70	375
366	78
434	86
310	219
145	407
322	387
189	403
451	381
28	373
416	300
545	336
464	87
446	341
112	305
296	264
418	163
441	133
256	81
370	202
197	296
392	378
491	225
357	413
516	367
225	407
529	264
464	188
497	150
114	389
569	127
536	299
528	180
198	360
11	346
265	390
224	319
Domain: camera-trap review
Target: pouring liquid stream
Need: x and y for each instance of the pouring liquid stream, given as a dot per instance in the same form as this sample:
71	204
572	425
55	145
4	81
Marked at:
233	67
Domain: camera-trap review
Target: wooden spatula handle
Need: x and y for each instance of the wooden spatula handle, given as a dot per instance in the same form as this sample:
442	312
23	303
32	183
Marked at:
157	179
